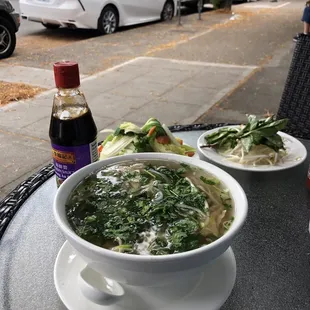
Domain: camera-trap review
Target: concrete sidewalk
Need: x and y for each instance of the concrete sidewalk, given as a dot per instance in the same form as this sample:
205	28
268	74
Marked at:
259	94
172	91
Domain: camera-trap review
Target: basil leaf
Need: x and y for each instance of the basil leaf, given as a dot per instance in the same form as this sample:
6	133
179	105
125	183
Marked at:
247	143
275	142
255	132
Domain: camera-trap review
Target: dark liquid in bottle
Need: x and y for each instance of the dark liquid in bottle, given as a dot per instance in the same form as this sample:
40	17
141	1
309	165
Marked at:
73	132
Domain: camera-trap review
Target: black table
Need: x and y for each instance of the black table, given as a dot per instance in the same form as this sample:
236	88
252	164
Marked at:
272	250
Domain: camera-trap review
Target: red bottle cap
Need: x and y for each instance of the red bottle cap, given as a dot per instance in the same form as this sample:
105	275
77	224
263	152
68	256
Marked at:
66	74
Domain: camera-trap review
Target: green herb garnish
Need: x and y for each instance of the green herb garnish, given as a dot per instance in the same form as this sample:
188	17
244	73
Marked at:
255	132
142	208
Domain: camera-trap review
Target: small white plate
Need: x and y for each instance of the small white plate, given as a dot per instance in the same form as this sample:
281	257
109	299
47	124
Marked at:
297	153
208	292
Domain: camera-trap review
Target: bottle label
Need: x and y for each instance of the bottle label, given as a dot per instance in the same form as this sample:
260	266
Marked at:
67	160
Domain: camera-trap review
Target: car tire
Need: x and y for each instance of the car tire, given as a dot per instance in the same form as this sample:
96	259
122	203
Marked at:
7	38
50	26
168	11
108	20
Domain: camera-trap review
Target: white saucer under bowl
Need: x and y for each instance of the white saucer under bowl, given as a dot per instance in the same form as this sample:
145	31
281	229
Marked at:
207	292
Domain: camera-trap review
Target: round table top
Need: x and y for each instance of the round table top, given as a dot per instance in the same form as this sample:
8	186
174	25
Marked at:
272	250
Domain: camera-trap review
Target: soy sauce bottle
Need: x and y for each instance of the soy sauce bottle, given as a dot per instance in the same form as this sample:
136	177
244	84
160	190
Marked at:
73	132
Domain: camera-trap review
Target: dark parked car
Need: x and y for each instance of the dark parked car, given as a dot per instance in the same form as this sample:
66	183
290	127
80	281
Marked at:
9	24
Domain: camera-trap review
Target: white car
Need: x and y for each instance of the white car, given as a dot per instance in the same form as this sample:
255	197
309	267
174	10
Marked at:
104	15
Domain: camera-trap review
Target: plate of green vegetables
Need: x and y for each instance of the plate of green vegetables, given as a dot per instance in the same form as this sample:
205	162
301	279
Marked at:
153	136
258	145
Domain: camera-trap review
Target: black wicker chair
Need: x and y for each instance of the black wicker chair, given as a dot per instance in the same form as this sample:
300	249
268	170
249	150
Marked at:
295	101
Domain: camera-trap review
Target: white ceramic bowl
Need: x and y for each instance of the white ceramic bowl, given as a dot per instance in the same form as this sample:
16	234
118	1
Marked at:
149	270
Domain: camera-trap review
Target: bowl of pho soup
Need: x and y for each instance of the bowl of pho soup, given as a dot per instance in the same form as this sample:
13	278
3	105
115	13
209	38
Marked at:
149	219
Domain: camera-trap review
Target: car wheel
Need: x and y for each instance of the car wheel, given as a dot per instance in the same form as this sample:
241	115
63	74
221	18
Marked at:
168	11
7	38
108	20
50	26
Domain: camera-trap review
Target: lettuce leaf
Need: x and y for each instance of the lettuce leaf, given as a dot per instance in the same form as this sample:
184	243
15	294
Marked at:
116	146
151	123
172	148
130	127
